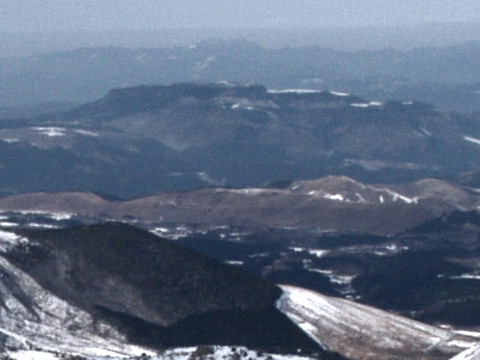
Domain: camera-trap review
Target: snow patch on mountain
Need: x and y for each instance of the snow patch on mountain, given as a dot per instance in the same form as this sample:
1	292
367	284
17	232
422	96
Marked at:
472	139
338	93
294	91
396	196
32	318
10	239
51	131
86	132
367	105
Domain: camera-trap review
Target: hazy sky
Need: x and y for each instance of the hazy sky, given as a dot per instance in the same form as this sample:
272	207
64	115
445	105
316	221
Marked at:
67	15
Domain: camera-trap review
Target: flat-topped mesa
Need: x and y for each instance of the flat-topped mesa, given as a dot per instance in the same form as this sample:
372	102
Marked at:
125	101
225	95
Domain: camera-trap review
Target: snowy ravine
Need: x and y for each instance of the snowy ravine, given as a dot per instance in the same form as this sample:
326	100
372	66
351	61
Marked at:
32	318
362	332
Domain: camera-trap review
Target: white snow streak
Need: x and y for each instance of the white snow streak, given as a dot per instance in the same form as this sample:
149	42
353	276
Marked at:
472	139
473	353
337	93
51	131
294	91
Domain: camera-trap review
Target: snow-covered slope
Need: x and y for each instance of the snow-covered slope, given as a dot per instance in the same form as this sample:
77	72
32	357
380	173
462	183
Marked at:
470	354
33	318
190	353
364	333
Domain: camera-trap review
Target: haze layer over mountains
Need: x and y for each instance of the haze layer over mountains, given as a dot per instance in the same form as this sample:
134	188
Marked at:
272	180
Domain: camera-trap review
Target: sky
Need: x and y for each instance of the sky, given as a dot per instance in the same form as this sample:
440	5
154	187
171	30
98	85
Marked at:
98	15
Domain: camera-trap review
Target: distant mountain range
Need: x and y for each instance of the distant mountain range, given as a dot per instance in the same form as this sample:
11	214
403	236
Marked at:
150	139
84	75
337	204
222	220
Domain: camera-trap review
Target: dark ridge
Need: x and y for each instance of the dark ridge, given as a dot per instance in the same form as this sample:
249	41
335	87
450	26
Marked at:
449	222
211	245
280	184
130	270
156	292
266	329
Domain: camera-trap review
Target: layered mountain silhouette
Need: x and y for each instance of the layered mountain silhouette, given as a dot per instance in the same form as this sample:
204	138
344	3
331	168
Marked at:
150	139
86	74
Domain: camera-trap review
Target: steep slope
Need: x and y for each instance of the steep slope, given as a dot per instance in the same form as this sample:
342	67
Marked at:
146	290
361	332
31	317
471	354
